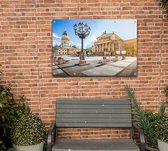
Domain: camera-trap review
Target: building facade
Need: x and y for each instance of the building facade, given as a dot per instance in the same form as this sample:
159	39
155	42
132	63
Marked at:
66	48
108	44
130	46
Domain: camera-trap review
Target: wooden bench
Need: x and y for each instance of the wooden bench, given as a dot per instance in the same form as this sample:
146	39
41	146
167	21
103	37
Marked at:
93	113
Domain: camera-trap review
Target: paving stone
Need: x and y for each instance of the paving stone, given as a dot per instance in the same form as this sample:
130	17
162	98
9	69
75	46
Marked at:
57	71
104	70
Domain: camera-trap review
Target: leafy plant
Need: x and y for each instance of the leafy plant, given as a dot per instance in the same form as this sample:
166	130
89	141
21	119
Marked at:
164	4
166	91
145	120
28	130
10	110
6	100
0	71
161	129
152	117
2	146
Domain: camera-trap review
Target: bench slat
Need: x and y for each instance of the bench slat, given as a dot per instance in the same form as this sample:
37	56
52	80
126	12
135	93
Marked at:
94	125
65	120
93	145
92	101
84	106
103	116
96	111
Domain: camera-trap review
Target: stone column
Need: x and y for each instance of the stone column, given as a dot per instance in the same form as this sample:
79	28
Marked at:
97	48
108	47
111	49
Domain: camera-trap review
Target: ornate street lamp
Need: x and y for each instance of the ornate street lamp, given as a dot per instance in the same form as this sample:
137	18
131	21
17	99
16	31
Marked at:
82	31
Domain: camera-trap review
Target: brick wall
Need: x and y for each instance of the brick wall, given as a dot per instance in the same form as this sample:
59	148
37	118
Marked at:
25	54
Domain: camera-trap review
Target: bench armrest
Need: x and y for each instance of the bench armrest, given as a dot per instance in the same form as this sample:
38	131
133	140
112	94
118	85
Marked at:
141	137
51	133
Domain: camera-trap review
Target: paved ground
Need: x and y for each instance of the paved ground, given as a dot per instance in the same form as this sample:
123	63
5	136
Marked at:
94	67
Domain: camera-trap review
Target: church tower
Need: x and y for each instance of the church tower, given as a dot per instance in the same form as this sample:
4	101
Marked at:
65	40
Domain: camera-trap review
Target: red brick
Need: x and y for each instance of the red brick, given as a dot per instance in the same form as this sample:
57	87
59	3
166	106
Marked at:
25	47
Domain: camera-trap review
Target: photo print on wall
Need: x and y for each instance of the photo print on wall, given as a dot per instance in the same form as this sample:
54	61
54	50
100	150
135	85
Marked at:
94	48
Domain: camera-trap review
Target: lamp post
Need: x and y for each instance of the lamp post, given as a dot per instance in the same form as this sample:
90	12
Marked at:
82	31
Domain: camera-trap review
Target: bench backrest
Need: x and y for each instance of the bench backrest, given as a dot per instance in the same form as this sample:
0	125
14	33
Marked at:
90	113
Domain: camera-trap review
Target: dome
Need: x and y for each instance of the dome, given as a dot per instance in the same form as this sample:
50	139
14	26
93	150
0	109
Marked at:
65	37
64	33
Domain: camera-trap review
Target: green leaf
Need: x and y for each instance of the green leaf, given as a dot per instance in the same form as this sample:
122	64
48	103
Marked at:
11	149
142	120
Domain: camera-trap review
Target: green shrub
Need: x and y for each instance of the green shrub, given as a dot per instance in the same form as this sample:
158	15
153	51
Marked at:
145	120
164	4
152	117
28	130
166	91
161	129
154	125
2	146
10	110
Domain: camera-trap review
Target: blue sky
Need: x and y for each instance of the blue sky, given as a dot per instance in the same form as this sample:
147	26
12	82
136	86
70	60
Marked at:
125	28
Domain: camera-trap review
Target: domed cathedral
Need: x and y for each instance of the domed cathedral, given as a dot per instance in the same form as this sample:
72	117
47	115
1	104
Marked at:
66	48
65	40
108	43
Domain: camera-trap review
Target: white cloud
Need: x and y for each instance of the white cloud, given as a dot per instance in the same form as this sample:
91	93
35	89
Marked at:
55	36
56	39
71	43
78	45
54	43
89	41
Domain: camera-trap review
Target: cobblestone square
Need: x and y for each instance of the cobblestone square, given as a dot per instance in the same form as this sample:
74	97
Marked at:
93	67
